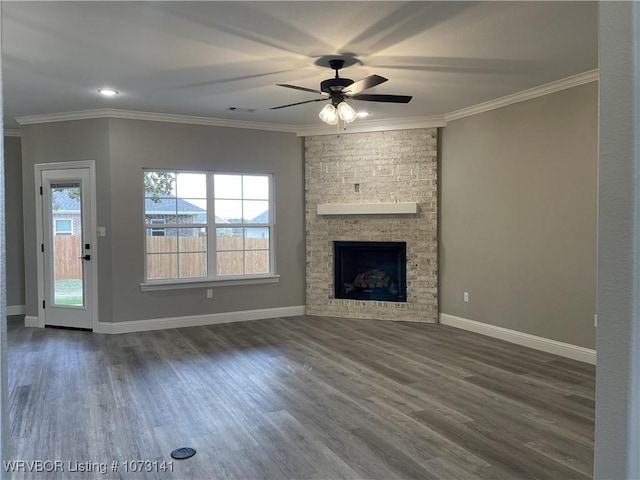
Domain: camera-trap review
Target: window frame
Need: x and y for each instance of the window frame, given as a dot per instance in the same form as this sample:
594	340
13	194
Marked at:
212	278
65	233
270	225
156	230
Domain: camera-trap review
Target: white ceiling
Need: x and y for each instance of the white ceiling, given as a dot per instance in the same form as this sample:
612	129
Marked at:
200	58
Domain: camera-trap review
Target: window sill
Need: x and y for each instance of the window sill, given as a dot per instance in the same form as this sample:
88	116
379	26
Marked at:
207	282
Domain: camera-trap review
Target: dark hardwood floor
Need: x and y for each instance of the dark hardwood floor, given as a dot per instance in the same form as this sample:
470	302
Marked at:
299	397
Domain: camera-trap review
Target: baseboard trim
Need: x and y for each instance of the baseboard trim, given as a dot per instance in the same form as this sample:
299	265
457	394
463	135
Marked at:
31	322
567	350
197	320
16	309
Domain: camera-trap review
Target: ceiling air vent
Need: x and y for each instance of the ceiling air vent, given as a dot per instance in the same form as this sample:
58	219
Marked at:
242	109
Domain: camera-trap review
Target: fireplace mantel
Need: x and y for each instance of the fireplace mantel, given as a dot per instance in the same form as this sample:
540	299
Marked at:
402	208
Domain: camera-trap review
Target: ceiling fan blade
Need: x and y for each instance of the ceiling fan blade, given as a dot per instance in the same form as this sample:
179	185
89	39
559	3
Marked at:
382	98
363	84
295	87
298	103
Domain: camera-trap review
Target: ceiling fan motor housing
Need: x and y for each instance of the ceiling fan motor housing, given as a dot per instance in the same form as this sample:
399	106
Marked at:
335	84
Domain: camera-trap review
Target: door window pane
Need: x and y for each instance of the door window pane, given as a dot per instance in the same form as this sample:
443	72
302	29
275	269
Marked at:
68	285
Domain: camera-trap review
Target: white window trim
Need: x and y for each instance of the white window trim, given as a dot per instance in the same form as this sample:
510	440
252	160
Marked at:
215	281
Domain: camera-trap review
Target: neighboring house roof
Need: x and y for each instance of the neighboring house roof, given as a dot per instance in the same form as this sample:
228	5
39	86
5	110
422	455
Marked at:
63	204
262	218
166	206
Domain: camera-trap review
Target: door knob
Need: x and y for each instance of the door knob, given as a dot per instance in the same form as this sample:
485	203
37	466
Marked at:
85	257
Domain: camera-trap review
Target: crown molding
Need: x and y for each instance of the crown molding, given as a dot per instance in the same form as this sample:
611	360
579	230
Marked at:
363	126
11	133
359	126
546	89
154	117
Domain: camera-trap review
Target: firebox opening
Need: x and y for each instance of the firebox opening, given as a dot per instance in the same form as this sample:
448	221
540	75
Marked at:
371	271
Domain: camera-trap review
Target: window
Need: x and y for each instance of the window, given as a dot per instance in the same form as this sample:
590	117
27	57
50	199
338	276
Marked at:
157	232
63	226
214	226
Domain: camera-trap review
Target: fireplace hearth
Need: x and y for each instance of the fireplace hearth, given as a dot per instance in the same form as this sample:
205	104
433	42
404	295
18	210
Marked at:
370	271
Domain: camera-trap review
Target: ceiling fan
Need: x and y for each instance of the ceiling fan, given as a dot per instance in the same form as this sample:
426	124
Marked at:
339	89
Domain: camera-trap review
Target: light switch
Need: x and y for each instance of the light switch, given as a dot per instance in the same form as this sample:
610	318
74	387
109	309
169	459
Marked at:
101	232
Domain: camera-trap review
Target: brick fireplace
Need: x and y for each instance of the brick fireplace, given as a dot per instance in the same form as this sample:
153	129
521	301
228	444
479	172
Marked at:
370	169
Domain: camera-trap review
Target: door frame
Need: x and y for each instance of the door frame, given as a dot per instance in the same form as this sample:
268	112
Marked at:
39	168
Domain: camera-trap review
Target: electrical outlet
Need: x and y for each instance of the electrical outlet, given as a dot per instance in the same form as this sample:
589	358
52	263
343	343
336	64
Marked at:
209	292
465	296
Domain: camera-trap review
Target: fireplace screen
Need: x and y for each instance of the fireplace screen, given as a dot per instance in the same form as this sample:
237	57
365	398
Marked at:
370	271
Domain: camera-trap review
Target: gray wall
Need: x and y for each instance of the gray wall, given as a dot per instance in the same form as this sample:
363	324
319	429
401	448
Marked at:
140	144
121	149
518	216
66	142
13	219
617	448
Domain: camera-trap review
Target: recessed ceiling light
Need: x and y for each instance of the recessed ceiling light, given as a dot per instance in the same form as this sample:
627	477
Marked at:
363	114
107	92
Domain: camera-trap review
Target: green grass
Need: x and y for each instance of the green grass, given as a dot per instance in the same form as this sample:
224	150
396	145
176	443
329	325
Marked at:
68	292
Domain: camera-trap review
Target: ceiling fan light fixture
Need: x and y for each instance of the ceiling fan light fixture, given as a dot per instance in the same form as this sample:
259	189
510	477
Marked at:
346	113
329	114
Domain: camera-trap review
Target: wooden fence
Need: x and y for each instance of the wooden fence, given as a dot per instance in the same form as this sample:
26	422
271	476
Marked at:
67	252
168	256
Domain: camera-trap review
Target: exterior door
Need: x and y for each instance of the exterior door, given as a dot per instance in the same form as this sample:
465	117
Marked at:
67	248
